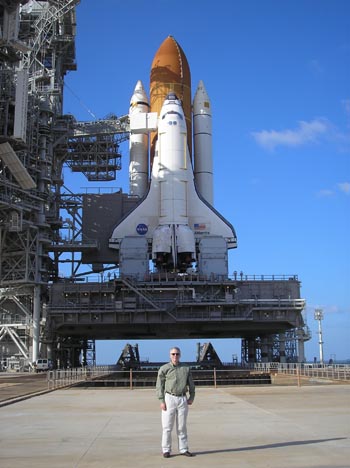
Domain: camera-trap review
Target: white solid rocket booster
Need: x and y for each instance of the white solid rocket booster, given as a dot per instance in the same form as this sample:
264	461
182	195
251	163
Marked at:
138	145
202	140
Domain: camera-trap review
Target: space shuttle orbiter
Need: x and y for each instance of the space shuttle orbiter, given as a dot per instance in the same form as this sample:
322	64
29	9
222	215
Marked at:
175	215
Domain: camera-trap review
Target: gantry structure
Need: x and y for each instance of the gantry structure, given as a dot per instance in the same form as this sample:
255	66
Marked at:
37	49
46	311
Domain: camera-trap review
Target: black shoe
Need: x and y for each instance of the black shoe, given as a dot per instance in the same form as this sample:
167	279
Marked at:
187	454
166	454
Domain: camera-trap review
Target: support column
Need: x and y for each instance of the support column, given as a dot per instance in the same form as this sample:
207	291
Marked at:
251	350
282	346
36	322
301	346
49	351
265	349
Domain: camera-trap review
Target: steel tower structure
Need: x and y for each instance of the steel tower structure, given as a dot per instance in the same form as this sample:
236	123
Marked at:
37	49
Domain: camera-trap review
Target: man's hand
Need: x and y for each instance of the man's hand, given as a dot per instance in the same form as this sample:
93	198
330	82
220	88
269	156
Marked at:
189	402
163	406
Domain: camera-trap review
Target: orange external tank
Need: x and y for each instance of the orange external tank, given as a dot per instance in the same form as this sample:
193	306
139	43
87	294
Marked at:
170	72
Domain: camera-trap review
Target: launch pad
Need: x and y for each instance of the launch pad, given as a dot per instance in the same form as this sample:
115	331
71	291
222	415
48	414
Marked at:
174	308
182	307
160	250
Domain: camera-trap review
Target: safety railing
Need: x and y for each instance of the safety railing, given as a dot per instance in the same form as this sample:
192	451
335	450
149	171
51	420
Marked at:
221	377
59	378
336	372
131	378
169	277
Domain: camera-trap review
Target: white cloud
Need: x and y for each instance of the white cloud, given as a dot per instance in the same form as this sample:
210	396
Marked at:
344	187
306	132
325	193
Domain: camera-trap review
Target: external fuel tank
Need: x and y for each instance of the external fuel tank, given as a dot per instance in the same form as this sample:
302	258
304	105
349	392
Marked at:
170	72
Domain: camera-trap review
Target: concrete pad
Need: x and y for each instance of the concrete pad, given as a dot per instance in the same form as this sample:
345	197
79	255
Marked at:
262	426
18	385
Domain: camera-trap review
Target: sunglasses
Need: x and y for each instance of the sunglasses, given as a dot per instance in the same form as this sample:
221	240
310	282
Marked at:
175	354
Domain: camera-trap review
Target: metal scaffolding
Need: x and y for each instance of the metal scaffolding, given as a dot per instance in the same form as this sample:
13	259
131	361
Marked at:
37	49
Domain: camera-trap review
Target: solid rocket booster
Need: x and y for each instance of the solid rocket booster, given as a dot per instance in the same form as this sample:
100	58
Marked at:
202	136
138	145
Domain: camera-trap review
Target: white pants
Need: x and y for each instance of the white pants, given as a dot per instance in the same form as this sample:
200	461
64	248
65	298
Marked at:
176	408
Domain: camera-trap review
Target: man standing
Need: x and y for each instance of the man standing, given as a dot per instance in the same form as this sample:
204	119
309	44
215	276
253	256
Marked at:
174	379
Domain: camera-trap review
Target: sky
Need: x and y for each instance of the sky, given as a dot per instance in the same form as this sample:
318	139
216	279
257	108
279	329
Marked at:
278	77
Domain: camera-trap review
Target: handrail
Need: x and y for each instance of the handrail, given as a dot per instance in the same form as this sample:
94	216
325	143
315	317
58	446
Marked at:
335	372
59	378
191	277
132	377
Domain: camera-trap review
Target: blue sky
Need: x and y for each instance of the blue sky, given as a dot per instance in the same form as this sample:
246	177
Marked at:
278	74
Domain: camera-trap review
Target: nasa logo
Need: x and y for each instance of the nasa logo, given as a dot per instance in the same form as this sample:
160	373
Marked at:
141	229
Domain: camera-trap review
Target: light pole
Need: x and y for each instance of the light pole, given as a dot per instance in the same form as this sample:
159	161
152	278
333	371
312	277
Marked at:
319	316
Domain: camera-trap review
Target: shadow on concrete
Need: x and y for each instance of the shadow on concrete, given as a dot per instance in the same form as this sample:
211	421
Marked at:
269	446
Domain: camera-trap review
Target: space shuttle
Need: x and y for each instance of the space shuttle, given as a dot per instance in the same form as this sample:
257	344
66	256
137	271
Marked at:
175	224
